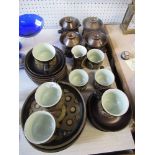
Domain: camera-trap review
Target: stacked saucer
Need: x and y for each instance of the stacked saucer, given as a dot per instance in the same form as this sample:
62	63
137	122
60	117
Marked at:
37	70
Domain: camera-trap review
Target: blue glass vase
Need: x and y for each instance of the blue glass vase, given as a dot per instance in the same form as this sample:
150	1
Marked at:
30	25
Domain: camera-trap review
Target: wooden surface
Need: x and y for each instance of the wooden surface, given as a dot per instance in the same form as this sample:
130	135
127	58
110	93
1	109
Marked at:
91	141
123	42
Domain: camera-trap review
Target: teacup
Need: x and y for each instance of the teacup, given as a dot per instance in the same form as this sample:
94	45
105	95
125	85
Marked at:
95	58
49	95
104	78
79	78
44	56
40	127
79	52
115	102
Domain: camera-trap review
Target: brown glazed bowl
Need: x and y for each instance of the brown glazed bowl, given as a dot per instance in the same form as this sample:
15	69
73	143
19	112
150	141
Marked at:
69	23
92	23
70	39
95	39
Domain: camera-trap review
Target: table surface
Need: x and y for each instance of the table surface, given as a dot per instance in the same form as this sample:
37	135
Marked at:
123	42
91	140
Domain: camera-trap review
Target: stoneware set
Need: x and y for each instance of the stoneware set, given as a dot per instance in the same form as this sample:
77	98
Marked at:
54	115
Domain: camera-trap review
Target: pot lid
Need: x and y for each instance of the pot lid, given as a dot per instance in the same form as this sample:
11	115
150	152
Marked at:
93	23
69	22
96	39
70	39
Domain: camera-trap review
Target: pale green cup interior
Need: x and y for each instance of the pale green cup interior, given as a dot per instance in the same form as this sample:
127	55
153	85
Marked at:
104	77
115	102
78	77
39	127
48	94
79	51
95	55
43	52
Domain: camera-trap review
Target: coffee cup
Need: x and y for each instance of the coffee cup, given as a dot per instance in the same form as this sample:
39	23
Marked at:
40	127
79	78
104	78
44	57
115	102
49	95
95	58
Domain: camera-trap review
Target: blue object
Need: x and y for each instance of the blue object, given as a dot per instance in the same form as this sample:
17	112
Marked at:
30	25
20	45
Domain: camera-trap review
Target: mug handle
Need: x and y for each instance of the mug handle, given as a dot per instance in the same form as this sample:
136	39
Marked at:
83	63
46	68
90	66
87	64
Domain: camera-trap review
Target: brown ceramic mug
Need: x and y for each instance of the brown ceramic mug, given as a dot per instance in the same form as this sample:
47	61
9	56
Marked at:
44	57
95	58
79	78
103	79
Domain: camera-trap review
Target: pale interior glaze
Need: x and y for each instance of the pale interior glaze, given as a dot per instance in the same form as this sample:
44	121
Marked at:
115	102
104	77
95	55
48	94
78	77
43	52
39	127
79	51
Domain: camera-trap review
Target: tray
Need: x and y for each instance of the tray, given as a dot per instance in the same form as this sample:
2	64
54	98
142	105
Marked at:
66	133
103	121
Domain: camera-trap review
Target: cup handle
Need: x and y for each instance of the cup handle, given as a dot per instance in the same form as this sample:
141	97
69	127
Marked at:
46	68
89	65
83	62
101	67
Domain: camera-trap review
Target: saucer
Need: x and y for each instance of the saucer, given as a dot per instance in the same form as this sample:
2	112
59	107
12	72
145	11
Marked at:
103	121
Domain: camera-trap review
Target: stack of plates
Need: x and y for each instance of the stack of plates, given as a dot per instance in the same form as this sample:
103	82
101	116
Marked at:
58	72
